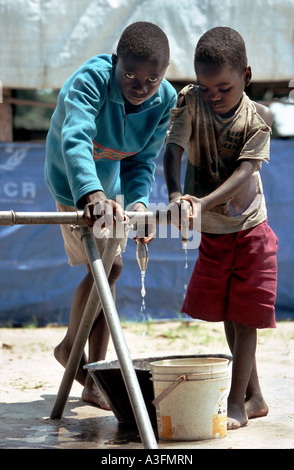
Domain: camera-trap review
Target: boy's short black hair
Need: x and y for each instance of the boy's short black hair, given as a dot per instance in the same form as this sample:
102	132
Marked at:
221	46
144	40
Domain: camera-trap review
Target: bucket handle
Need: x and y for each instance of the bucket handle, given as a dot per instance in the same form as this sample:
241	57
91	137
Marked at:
165	392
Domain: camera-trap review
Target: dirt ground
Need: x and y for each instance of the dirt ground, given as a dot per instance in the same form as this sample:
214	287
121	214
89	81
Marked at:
30	379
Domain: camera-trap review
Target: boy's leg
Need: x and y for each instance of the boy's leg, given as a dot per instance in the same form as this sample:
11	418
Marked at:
98	343
90	393
254	278
98	339
255	405
62	350
243	343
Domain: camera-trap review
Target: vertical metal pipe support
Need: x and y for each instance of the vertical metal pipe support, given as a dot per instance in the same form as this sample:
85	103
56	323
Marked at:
91	311
113	322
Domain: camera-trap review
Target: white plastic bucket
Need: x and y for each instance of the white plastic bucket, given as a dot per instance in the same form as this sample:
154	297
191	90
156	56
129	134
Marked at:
191	398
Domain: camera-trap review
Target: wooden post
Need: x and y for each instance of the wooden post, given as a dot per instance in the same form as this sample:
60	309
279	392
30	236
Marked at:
6	116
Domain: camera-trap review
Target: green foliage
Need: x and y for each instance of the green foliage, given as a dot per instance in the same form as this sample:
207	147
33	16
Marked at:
34	117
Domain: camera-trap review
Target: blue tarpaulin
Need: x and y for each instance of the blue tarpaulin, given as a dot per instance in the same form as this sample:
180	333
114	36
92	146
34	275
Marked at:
37	284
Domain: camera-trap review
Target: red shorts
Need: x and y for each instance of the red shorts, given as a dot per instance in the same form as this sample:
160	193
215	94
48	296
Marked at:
235	278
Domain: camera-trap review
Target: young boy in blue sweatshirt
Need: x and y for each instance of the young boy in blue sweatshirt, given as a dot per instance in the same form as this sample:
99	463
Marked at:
108	127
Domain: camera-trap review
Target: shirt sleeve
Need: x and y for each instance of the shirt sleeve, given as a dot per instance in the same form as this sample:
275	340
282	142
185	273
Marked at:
82	104
257	140
180	127
257	146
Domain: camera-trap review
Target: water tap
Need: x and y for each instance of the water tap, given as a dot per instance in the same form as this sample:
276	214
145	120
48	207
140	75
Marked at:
185	211
142	255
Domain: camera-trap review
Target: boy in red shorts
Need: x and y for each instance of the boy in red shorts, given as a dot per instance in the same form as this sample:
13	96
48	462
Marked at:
227	137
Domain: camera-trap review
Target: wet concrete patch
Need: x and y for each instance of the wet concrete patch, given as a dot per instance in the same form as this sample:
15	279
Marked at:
28	426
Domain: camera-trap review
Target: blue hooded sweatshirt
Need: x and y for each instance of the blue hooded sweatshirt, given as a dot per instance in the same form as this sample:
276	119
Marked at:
93	145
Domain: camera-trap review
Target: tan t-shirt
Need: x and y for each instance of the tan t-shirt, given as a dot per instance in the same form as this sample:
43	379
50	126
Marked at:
215	147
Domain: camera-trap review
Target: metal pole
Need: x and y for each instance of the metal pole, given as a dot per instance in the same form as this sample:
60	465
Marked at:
57	218
126	364
76	353
91	311
39	218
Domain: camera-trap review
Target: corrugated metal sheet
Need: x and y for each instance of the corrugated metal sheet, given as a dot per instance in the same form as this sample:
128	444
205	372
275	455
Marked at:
43	41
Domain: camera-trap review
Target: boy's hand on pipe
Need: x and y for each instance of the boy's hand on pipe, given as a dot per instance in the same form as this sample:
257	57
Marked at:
150	228
174	209
195	203
97	206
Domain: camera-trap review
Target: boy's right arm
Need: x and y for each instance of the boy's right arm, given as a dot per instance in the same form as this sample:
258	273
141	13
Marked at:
172	171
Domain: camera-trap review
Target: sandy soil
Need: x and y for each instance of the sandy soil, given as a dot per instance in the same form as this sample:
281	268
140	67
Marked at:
28	368
27	353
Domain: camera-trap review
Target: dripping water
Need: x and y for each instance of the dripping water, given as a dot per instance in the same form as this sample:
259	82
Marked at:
143	294
186	255
186	267
143	291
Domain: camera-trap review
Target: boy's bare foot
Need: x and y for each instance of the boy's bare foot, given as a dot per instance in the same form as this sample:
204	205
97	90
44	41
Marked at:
61	354
236	418
92	394
256	407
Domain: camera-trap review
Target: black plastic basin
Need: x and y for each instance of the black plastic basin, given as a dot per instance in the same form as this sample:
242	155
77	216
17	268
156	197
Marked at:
108	376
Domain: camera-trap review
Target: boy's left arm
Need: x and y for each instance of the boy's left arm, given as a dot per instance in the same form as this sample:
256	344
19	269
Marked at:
239	177
229	188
